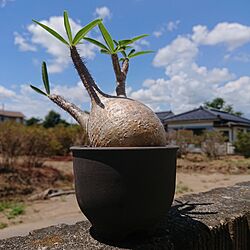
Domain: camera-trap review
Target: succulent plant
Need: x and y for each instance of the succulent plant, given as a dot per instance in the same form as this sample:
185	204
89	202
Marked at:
114	121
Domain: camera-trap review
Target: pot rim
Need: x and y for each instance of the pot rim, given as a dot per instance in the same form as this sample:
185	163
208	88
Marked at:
88	148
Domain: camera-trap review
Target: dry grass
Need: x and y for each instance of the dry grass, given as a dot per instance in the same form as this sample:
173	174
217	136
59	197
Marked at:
230	164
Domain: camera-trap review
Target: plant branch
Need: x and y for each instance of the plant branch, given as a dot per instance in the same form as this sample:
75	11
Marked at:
80	116
120	80
125	67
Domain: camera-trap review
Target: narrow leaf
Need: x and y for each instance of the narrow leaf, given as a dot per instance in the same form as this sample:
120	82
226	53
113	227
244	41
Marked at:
38	90
125	42
131	52
52	32
82	32
97	43
45	78
141	53
104	51
138	37
116	43
67	26
107	37
124	54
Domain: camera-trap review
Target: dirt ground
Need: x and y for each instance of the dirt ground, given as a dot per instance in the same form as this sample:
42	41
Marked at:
64	209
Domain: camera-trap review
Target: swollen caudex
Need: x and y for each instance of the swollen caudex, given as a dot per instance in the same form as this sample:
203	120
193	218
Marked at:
124	122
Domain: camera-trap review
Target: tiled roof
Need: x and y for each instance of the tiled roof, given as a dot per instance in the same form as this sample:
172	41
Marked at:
164	115
11	114
202	113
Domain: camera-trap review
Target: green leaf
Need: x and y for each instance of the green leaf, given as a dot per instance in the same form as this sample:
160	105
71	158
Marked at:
107	37
67	26
138	37
45	78
97	43
116	43
140	53
38	90
82	32
124	54
125	42
131	52
52	32
104	51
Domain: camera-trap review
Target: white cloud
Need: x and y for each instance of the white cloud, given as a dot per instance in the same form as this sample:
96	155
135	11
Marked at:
22	43
140	44
188	84
59	53
25	100
4	2
173	25
170	26
240	57
102	12
6	93
233	35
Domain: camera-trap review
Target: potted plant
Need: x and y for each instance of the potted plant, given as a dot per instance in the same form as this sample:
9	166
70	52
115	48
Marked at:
125	179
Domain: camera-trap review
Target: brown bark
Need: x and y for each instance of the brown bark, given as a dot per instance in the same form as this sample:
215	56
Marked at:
120	76
80	116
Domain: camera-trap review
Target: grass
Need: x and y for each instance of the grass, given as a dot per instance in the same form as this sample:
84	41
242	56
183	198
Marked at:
182	188
3	225
11	209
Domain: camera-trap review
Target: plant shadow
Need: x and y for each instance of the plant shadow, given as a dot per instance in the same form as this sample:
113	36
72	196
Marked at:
178	226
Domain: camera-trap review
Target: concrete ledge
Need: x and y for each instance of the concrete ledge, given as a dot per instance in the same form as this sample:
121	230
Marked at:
218	219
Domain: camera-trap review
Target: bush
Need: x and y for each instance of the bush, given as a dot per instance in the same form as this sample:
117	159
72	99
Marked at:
211	143
242	145
182	138
11	138
35	146
34	143
62	138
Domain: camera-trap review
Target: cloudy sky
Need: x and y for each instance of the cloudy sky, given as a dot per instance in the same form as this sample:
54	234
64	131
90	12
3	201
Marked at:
202	51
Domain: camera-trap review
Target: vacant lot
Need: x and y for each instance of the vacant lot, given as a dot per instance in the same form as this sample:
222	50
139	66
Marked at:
18	215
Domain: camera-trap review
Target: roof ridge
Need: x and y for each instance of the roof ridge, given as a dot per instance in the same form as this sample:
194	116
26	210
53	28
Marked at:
183	113
225	112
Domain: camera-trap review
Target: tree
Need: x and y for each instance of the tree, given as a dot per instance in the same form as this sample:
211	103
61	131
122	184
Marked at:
220	103
33	121
52	119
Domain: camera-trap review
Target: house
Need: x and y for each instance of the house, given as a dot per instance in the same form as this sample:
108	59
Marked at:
164	115
201	119
11	116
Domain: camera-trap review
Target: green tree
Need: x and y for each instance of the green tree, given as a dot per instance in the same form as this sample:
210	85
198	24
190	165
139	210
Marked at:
220	103
33	121
52	119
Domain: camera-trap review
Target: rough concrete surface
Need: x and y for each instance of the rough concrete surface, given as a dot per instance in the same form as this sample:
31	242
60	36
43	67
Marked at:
217	219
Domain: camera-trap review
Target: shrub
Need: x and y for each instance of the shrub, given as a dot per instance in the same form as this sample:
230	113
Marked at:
211	143
181	138
242	145
11	138
35	146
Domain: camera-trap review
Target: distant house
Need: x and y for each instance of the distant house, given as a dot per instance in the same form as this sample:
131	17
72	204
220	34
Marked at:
164	115
11	116
201	119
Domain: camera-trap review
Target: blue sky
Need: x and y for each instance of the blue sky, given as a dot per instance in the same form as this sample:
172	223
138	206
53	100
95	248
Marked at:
202	51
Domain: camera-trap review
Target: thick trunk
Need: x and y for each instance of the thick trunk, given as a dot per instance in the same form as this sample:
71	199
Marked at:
80	116
120	76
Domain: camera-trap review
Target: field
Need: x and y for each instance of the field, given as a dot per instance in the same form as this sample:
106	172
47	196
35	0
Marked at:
19	214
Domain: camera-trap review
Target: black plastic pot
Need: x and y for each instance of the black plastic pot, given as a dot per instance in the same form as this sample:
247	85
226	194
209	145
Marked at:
124	190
